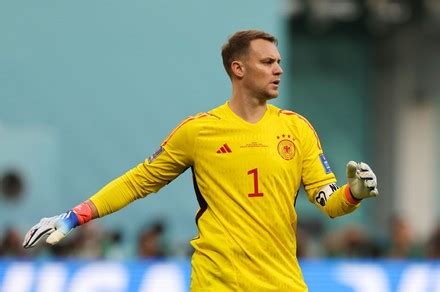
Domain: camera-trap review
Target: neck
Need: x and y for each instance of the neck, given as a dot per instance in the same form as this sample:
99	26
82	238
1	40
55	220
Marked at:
248	108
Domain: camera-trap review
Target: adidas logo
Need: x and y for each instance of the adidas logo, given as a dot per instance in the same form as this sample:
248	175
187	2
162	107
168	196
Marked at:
224	149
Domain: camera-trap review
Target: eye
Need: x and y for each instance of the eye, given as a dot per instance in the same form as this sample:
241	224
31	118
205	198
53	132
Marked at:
268	61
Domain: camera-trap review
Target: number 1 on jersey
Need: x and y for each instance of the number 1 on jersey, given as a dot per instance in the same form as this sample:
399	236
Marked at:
255	193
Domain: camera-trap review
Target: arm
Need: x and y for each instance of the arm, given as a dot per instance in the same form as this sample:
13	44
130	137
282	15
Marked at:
320	182
361	183
173	157
137	183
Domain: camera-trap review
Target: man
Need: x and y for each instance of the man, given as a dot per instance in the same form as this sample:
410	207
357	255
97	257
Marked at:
248	160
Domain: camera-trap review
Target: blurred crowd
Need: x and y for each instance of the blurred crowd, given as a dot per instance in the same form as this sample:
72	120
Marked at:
91	241
354	241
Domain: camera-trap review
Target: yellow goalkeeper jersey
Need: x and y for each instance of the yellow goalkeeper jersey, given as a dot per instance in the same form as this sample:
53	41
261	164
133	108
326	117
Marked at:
246	179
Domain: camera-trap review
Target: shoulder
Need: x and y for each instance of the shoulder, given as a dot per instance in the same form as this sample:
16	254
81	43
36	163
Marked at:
181	129
204	119
290	116
191	125
192	122
199	119
194	119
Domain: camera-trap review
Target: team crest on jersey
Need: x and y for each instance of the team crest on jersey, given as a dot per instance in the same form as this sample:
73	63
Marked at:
286	148
155	154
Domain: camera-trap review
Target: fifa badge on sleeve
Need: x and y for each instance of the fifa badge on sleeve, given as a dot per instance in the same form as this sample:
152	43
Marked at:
325	163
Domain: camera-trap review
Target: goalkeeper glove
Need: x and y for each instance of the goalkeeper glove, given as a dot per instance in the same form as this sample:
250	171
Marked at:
361	180
57	227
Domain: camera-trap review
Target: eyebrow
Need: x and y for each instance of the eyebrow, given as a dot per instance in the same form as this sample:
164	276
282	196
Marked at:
271	59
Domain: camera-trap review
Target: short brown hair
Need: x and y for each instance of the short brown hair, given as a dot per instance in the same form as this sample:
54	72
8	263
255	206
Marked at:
238	45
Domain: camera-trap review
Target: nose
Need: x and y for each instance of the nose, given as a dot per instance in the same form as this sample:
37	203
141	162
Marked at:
278	70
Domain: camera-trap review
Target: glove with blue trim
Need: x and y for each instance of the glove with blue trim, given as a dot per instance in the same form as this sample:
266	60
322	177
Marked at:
56	228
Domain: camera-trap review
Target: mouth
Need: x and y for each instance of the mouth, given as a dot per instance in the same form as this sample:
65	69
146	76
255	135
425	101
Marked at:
276	82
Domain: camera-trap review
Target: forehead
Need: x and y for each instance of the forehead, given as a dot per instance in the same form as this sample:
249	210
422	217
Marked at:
261	48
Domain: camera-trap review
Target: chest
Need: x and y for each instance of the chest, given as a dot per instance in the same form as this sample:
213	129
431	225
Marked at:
273	149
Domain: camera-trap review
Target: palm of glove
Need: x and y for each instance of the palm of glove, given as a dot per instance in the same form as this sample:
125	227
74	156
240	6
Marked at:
56	228
362	180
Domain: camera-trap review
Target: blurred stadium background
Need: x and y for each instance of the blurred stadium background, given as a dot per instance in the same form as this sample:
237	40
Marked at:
88	89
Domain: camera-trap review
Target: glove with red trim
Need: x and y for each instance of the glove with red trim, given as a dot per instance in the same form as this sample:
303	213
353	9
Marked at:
361	180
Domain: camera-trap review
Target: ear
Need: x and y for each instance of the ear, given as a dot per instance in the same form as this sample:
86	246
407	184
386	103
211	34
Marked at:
238	69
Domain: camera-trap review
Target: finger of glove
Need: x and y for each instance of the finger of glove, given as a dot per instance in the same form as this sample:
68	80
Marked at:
45	227
374	192
366	174
55	237
35	234
363	166
351	169
370	183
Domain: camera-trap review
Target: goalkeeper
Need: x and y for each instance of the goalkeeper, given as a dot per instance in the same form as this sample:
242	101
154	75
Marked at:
249	160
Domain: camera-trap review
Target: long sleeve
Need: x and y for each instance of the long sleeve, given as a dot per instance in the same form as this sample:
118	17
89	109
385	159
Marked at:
338	203
172	158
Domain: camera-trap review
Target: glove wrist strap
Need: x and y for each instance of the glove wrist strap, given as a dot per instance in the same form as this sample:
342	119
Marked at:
349	196
83	212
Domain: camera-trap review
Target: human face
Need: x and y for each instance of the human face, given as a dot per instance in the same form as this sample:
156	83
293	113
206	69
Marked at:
262	70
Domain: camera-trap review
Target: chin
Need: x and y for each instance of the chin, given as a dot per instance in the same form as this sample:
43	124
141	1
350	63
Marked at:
268	95
272	95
